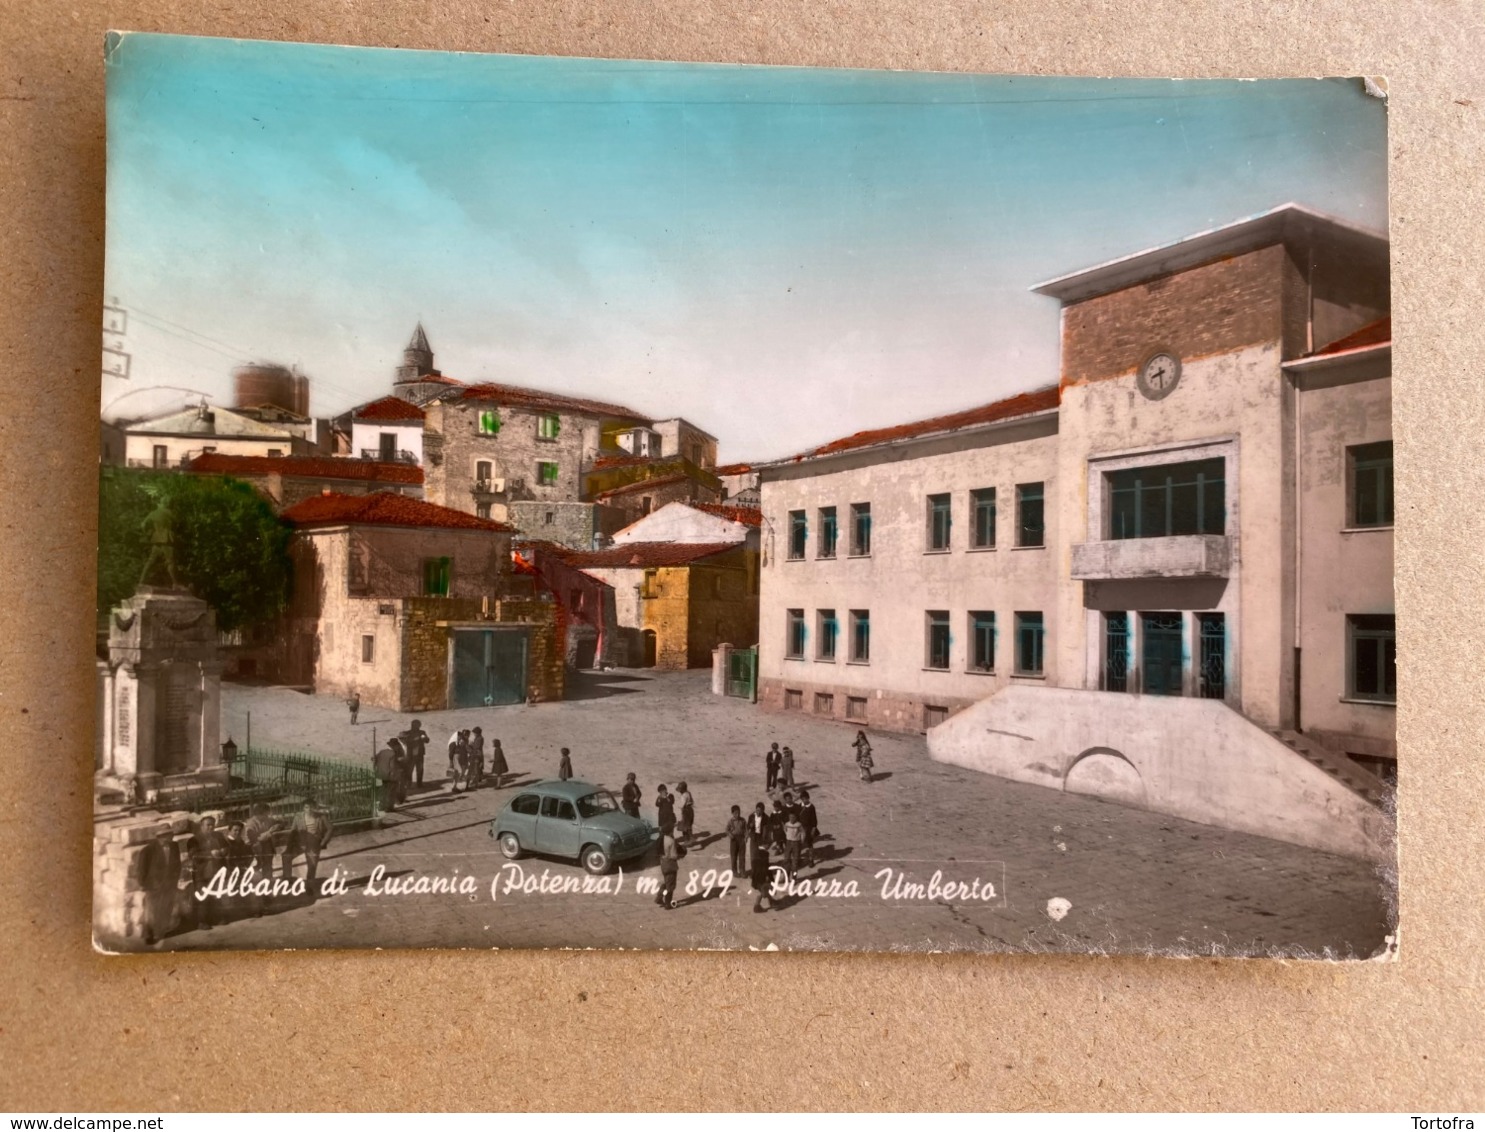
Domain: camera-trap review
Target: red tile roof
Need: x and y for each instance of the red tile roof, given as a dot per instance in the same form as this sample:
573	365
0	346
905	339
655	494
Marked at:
749	516
383	509
658	481
433	378
732	469
1372	334
307	467
522	398
647	554
388	409
1023	403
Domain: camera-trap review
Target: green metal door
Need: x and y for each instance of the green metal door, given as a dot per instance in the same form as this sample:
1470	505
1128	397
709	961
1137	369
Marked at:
489	667
1162	653
742	673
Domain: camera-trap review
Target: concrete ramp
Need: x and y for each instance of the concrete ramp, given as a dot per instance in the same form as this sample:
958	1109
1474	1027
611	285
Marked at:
1193	759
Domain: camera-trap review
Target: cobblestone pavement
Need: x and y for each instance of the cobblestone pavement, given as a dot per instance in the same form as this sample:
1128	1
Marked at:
1132	880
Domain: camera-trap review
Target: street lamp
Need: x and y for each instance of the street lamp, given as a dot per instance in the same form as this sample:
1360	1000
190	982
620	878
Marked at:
229	751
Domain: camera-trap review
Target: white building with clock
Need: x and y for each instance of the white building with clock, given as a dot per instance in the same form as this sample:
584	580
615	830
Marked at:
1166	579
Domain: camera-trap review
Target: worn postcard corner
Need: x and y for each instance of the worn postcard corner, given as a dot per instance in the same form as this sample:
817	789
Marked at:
651	505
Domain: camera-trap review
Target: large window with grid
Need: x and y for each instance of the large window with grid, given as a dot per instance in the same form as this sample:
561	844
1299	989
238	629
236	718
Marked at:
794	635
938	639
860	530
827	634
798	534
981	641
982	518
860	636
1030	640
1031	513
829	534
1168	499
939	521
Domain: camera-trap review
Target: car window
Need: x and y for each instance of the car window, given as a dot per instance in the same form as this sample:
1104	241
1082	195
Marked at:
565	810
525	804
549	807
599	802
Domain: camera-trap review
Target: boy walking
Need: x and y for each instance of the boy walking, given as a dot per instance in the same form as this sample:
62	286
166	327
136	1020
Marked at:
354	703
670	869
793	844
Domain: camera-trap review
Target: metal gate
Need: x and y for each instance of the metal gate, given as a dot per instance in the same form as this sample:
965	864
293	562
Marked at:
489	667
742	674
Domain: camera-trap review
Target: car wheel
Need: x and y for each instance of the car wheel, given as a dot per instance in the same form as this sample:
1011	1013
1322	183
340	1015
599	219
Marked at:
595	860
510	846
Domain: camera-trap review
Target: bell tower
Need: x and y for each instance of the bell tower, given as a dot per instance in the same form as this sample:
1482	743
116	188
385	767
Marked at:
417	358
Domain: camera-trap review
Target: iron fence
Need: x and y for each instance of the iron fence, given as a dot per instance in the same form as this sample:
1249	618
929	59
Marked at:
284	780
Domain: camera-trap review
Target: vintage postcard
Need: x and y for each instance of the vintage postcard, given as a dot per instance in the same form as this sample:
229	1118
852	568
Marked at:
574	503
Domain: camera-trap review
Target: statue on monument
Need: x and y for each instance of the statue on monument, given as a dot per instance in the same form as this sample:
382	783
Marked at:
160	524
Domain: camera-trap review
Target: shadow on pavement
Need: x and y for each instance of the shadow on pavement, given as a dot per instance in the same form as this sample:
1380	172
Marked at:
600	685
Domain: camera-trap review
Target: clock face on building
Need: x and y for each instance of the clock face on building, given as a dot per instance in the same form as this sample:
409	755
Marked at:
1159	375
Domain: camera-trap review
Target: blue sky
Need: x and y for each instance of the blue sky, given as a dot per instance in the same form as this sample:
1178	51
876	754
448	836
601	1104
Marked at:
780	255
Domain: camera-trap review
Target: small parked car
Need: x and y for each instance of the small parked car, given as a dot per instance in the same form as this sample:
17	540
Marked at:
571	819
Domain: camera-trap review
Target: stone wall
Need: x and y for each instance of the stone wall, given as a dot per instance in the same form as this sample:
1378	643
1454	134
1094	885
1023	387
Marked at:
875	708
425	645
120	901
580	526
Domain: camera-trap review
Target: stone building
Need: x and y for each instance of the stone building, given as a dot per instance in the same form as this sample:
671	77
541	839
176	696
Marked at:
1197	518
587	602
416	608
634	501
169	440
388	429
285	480
676	602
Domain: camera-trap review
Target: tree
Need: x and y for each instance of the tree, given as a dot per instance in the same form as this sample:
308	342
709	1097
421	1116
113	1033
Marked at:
230	549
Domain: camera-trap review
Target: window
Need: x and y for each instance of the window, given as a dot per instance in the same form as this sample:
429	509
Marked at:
860	636
938	522
982	641
933	715
860	530
1168	499
387	445
546	473
368	648
798	534
1030	636
829	534
938	638
484	472
648	587
559	808
982	518
547	426
436	577
1373	657
275	451
482	510
526	804
1116	652
794	699
794	635
824	703
827	634
856	708
489	422
1371	485
549	518
1030	515
161	456
645	504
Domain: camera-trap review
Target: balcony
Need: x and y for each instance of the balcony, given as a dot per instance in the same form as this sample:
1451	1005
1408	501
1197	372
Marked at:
388	457
1175	556
489	487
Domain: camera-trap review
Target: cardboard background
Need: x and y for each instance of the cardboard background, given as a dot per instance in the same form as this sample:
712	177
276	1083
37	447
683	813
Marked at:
675	1030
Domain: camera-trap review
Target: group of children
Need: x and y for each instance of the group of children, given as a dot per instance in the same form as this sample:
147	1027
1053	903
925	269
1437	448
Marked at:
467	765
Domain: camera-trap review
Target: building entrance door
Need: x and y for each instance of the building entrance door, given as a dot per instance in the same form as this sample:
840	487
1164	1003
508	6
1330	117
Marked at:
489	668
1161	659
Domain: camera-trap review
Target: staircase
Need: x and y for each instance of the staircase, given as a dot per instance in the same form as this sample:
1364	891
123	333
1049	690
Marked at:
1337	765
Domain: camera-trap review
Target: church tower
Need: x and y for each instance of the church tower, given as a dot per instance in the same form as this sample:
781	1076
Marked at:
417	358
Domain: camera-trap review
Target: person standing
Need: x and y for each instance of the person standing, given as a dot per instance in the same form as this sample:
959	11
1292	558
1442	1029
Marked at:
771	767
786	768
629	797
159	877
863	755
354	703
259	833
498	767
776	826
476	758
459	759
309	835
793	844
415	743
759	873
208	857
688	813
564	765
737	843
670	868
760	833
665	812
384	764
239	860
811	822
